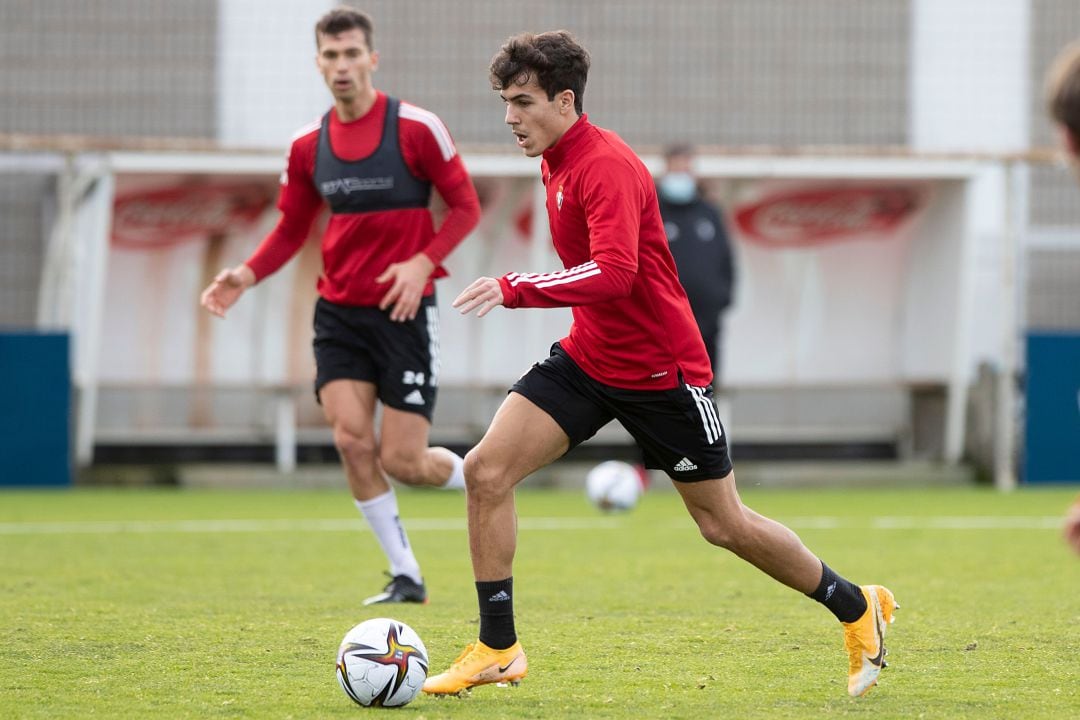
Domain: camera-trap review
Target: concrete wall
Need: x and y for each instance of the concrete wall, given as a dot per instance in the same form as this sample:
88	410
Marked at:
108	67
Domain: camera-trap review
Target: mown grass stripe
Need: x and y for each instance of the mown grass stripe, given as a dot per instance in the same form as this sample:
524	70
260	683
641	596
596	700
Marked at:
110	527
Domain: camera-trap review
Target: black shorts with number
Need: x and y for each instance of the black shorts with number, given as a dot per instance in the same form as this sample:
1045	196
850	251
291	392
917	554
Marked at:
362	343
678	430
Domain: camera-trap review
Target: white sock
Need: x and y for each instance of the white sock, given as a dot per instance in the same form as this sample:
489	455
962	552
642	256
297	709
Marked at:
382	515
457	475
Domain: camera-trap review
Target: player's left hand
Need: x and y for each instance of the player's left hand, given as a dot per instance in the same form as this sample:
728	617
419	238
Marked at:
485	293
407	289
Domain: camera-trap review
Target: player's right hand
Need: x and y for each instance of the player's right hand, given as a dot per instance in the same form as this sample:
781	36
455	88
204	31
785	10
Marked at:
226	288
485	293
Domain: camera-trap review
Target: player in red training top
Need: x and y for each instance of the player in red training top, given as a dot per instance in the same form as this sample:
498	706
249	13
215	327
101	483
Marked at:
633	354
373	160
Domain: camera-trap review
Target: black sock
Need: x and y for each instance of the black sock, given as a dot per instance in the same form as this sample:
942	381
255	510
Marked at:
497	613
843	597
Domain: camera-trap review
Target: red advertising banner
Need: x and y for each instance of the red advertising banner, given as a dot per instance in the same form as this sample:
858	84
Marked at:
181	213
799	218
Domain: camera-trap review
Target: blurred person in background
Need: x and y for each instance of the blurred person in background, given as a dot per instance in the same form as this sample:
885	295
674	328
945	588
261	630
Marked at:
699	243
633	353
1063	104
373	160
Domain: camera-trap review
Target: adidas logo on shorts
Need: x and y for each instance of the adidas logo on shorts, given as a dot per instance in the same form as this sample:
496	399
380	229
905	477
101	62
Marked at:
685	465
415	398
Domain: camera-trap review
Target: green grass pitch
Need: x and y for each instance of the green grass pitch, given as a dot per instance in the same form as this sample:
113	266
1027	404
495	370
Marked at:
219	604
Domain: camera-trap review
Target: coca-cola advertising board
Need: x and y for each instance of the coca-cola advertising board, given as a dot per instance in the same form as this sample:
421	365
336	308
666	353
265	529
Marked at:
823	279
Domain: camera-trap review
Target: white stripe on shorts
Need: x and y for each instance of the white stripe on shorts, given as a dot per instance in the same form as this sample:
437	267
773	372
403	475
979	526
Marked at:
432	312
709	419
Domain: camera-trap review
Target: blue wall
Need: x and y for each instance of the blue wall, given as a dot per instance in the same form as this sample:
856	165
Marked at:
35	409
1052	435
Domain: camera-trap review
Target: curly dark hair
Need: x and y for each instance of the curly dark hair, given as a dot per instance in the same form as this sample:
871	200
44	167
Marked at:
554	59
342	19
1063	89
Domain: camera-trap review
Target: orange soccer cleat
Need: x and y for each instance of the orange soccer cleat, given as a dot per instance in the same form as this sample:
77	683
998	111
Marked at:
480	665
865	639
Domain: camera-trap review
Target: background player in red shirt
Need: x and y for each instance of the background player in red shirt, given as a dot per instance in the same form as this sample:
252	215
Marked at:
1063	103
633	354
373	160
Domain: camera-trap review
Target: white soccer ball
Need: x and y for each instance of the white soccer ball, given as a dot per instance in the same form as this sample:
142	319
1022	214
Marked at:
382	662
613	485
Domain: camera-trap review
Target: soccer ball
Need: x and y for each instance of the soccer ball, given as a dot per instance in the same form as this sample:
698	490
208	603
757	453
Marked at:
613	485
382	662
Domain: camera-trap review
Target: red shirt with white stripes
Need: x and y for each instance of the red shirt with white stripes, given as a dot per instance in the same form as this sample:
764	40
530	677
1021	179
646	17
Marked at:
358	247
632	327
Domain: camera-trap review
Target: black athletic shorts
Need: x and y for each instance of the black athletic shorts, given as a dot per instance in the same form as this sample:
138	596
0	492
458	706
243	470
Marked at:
678	430
362	343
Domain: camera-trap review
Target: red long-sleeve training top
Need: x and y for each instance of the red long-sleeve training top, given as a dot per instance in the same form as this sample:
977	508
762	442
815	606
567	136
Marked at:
633	327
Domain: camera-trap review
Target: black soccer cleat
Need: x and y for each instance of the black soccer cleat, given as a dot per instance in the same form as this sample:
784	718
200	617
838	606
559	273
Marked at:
400	589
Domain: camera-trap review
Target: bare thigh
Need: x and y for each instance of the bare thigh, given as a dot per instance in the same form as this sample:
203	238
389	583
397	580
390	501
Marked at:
521	439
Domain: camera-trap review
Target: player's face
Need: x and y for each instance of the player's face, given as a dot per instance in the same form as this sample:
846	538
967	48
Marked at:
537	122
346	64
